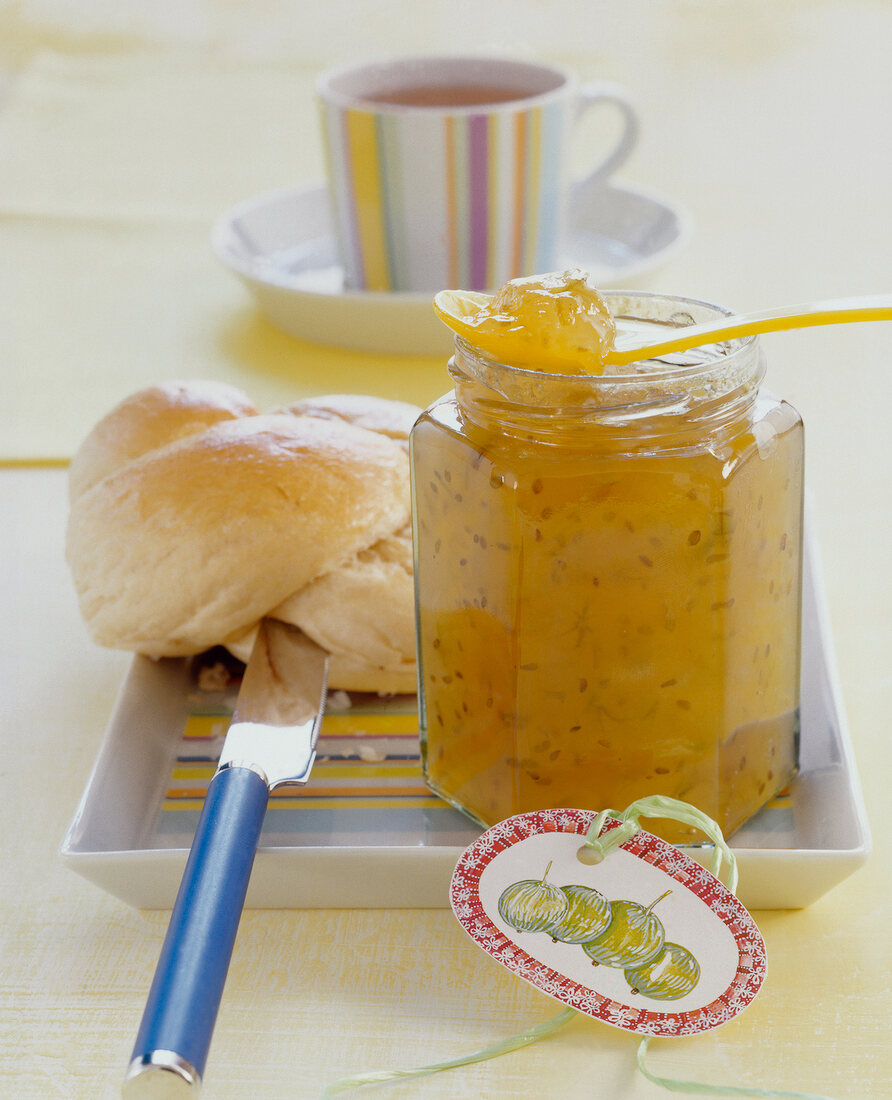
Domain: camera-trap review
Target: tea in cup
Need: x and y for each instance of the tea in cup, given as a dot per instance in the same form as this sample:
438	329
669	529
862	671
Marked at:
449	171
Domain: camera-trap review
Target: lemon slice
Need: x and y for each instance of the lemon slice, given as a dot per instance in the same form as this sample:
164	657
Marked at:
555	323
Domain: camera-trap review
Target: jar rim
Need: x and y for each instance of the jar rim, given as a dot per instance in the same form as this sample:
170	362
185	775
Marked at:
704	374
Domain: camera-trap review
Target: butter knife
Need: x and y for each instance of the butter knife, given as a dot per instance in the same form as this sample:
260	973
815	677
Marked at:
271	743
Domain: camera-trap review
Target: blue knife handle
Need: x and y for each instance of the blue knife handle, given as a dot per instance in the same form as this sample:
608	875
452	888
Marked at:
185	995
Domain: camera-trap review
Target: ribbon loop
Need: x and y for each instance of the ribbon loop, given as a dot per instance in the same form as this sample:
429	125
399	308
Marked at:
660	805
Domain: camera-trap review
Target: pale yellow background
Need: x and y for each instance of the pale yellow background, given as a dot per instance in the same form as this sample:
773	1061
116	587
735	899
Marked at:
125	129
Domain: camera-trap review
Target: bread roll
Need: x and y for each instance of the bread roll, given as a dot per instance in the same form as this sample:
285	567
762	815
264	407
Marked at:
193	516
149	419
391	418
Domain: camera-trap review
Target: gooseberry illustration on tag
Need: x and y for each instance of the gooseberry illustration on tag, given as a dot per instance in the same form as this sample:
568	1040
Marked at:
647	940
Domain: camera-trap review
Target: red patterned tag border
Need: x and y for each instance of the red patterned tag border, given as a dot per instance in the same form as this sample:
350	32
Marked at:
644	1020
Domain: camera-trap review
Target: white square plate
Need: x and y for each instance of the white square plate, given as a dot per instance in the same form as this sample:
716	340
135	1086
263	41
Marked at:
366	832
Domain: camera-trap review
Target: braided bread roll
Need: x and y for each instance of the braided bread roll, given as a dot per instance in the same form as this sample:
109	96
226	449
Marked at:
193	516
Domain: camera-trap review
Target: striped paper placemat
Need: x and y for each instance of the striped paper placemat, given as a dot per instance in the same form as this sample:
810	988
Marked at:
366	786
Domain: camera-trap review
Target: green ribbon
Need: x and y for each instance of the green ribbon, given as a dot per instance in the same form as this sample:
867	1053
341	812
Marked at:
602	846
659	805
524	1038
695	1088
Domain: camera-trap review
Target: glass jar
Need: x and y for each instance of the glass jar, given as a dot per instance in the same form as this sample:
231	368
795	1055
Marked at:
608	581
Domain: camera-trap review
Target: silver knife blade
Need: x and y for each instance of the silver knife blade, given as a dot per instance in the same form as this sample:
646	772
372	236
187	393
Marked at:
278	713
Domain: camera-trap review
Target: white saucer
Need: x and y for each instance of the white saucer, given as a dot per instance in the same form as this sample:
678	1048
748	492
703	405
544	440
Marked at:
281	245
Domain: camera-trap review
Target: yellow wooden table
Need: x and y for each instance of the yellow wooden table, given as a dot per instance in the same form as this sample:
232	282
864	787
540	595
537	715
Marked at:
124	131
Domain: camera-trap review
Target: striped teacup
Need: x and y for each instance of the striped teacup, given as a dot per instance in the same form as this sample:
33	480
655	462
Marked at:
453	171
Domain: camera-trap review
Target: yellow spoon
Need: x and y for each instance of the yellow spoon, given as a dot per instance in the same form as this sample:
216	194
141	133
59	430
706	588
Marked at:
833	312
459	310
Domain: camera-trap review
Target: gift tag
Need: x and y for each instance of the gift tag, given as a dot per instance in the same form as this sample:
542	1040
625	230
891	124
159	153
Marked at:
646	940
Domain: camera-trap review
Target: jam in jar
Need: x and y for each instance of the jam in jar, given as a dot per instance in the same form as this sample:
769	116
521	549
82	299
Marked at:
608	580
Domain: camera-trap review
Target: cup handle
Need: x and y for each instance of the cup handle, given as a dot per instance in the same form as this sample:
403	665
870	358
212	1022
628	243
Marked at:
591	95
